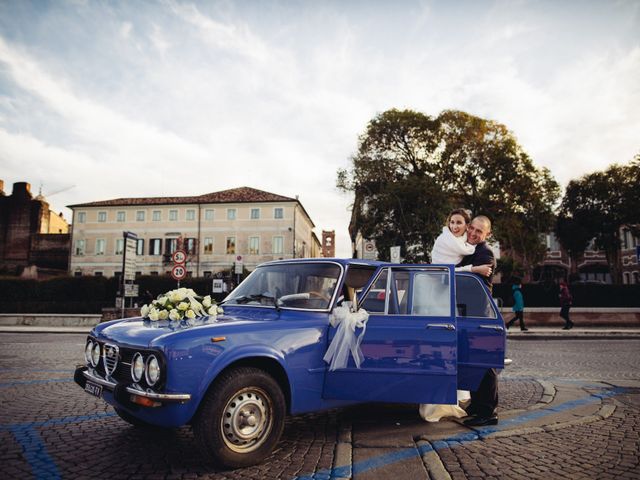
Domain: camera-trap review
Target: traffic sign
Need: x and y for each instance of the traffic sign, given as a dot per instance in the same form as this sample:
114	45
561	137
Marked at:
131	289
217	285
178	272
239	265
395	254
179	256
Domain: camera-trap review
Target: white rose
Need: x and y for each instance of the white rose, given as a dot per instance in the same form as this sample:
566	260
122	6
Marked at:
206	301
213	311
220	311
163	315
190	314
162	300
183	306
153	314
175	296
144	311
190	292
174	315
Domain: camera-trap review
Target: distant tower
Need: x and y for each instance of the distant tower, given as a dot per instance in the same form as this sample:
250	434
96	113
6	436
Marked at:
329	243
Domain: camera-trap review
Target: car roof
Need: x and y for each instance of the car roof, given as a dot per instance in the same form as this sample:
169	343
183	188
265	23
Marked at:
341	261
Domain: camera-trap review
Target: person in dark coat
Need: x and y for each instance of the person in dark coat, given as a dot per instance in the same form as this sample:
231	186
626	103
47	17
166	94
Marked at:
484	401
518	305
566	300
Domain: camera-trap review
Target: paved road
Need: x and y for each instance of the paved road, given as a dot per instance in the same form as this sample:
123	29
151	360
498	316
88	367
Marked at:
569	409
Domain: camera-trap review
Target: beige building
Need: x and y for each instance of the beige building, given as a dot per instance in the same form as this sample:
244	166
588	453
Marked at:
216	230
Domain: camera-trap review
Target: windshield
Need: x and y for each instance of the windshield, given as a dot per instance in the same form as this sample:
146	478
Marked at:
301	285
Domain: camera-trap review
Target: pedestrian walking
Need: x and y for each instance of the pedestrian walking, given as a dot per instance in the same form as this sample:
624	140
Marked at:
518	305
566	301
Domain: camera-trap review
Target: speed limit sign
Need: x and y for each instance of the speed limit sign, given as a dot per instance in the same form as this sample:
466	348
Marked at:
179	256
178	272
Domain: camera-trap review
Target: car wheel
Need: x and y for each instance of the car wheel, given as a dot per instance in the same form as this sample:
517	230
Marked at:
127	417
241	418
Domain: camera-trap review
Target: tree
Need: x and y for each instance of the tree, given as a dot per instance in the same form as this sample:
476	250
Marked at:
411	169
597	206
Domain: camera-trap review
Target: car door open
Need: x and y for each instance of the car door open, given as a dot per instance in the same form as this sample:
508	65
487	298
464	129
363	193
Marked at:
410	342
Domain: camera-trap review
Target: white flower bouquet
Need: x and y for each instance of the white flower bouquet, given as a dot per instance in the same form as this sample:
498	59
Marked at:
179	304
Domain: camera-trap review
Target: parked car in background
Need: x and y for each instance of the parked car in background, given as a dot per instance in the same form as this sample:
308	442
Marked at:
236	376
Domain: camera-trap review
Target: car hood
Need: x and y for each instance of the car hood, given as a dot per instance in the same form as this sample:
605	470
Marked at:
145	333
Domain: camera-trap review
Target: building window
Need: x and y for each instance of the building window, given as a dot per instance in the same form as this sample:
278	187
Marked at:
119	246
121	216
77	273
155	246
190	246
97	274
140	216
173	215
627	278
278	245
255	213
208	245
207	273
154	273
231	245
208	214
231	213
102	217
170	245
140	246
636	277
278	212
100	246
82	217
79	247
156	215
254	245
191	215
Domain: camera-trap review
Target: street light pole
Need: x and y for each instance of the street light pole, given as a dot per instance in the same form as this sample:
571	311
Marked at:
295	207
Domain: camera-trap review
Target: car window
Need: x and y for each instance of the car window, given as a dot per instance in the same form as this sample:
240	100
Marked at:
375	299
398	297
471	298
304	285
431	294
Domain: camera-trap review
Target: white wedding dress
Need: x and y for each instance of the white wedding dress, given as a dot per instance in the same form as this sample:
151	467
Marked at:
448	249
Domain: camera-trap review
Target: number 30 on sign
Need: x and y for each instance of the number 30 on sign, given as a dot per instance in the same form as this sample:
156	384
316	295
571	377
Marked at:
178	272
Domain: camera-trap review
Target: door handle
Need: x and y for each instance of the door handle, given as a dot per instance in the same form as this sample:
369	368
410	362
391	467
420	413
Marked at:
446	326
497	328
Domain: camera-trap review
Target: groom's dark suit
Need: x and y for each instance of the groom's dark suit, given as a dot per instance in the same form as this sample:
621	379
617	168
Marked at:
484	400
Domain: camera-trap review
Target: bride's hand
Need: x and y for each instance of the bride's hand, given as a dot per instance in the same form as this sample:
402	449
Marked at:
484	270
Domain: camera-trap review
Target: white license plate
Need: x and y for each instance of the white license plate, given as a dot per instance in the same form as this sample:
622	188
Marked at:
93	389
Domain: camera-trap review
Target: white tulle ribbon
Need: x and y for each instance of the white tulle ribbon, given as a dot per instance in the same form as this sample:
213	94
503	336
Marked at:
346	340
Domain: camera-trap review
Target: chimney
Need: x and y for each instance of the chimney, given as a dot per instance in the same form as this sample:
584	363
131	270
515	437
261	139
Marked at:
22	189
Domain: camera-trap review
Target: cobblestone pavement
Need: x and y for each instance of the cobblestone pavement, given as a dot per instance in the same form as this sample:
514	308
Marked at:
561	417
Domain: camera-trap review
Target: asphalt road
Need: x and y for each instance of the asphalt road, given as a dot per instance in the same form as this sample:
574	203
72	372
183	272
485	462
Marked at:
50	428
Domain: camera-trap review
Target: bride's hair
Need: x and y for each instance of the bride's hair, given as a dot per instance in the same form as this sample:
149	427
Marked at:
459	211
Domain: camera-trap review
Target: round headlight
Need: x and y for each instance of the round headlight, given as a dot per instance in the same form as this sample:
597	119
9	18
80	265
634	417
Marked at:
87	351
137	367
152	373
95	354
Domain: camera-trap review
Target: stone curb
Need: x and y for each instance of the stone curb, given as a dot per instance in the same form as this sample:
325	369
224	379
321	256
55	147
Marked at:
433	464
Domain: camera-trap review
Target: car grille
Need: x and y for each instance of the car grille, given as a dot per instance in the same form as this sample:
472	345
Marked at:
118	368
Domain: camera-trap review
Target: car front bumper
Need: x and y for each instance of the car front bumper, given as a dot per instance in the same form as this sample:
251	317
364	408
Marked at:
122	392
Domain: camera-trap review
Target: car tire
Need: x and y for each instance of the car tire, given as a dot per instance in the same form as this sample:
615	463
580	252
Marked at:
241	418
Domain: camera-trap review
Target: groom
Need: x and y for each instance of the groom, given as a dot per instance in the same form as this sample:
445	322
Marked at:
484	400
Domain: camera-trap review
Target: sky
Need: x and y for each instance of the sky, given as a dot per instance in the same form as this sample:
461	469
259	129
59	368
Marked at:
102	100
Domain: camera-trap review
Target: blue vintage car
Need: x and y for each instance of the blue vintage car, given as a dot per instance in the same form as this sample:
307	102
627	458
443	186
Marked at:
234	377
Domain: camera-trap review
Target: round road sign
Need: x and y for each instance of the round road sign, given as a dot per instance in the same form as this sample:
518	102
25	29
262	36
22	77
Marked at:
179	256
178	272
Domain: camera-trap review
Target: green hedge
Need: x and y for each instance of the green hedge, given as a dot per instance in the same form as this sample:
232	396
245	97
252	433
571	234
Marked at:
91	294
83	294
546	295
